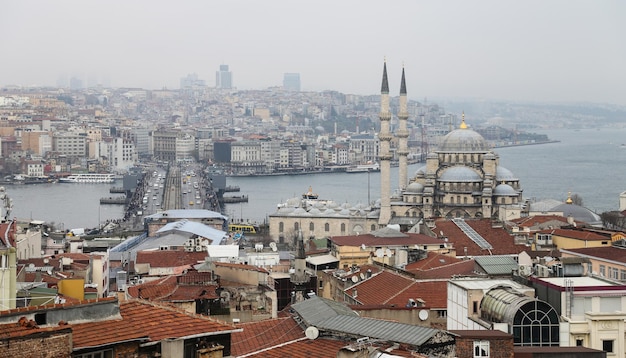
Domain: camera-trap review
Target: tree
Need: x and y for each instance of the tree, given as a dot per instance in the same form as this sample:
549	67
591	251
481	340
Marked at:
613	220
577	199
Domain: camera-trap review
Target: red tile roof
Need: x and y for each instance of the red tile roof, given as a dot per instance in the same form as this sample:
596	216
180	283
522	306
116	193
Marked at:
241	266
391	289
169	258
138	321
24	328
264	334
611	253
432	260
403	239
462	268
539	220
169	289
501	241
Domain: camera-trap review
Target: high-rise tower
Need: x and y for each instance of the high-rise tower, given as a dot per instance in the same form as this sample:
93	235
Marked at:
384	136
224	78
403	134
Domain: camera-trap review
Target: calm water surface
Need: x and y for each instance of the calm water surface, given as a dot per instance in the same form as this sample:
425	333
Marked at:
588	162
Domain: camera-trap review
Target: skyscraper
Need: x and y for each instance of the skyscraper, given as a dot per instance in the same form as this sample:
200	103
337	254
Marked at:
291	82
224	78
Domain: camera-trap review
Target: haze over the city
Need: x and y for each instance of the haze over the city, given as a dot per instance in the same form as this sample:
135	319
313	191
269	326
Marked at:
533	50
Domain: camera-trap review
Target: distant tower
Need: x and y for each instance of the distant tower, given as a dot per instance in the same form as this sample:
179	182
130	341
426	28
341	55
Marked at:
403	134
224	78
291	82
298	275
384	136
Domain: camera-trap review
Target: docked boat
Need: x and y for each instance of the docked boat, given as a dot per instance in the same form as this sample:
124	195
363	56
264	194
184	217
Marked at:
89	178
364	168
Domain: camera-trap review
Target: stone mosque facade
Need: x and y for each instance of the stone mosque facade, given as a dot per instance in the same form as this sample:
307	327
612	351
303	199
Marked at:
462	178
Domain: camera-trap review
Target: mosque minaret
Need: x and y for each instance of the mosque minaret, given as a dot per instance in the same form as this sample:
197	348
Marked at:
384	154
403	134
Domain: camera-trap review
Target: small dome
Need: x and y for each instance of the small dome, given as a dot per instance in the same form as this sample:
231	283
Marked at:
503	173
421	171
463	140
415	187
298	212
329	212
504	190
315	212
459	174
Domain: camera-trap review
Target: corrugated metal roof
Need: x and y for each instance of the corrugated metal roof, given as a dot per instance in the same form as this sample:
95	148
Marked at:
334	316
497	265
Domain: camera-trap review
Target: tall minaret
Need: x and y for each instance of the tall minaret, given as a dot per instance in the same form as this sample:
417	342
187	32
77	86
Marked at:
384	154
403	134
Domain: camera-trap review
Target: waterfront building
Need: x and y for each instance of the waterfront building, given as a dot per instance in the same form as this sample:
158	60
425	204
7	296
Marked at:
70	144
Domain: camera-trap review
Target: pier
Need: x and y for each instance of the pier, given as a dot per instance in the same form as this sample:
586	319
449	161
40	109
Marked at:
114	201
235	199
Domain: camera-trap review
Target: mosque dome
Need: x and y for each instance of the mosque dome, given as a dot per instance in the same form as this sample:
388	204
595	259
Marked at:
504	190
503	173
459	174
415	187
463	140
579	213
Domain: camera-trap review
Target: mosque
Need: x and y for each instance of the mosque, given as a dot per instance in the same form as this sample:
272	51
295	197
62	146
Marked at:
462	178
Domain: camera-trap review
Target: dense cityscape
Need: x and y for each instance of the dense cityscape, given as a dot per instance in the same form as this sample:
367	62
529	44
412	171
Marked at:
449	261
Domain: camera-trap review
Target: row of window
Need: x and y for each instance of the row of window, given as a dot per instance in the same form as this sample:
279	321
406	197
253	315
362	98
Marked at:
296	227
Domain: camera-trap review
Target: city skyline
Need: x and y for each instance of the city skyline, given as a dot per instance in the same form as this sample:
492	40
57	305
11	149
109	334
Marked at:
566	51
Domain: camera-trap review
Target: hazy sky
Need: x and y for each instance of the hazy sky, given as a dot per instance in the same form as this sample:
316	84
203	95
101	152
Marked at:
557	50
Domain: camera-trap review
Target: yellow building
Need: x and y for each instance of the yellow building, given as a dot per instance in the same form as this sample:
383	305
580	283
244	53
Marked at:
573	239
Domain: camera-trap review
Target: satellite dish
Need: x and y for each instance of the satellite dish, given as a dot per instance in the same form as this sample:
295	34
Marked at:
311	333
380	253
363	247
423	315
355	279
273	246
362	276
388	252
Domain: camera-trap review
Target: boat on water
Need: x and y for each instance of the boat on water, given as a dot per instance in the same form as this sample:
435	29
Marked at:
309	194
364	168
89	178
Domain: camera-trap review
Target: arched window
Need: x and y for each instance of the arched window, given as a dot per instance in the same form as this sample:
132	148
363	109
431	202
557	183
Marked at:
296	226
343	227
373	227
465	200
281	226
327	227
311	226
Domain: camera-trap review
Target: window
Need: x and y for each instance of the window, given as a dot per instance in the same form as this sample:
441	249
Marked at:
311	226
602	271
343	227
579	342
481	349
327	227
475	307
442	313
607	346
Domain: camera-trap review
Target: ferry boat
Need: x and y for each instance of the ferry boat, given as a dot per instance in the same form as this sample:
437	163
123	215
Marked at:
364	168
89	178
